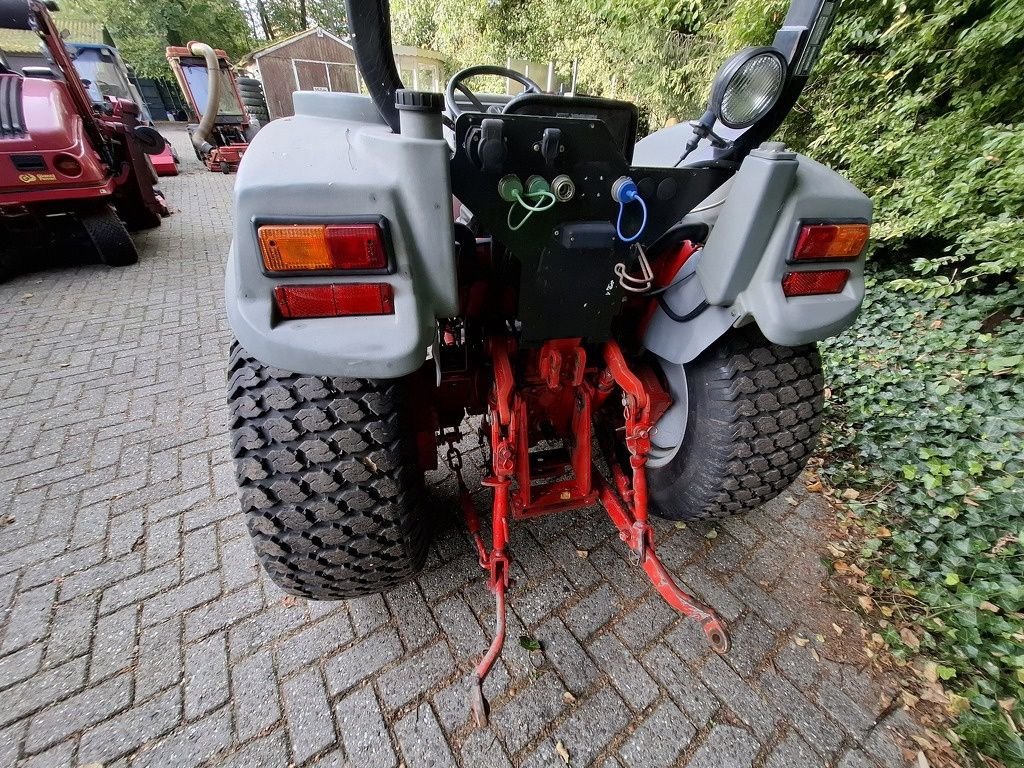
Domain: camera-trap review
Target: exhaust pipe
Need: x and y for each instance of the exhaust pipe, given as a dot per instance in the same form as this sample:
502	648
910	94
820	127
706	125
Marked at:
201	137
370	24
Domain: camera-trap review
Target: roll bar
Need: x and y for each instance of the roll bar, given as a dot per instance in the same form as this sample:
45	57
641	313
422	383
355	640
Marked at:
369	21
800	38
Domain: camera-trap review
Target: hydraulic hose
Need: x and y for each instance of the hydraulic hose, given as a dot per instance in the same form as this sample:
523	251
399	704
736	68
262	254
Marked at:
202	134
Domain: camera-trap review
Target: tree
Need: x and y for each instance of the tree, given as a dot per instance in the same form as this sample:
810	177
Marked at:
280	18
143	28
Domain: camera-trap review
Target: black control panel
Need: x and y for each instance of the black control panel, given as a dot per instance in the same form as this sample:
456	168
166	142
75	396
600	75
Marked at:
567	252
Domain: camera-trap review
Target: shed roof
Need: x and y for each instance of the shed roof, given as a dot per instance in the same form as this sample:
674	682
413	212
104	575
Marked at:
285	41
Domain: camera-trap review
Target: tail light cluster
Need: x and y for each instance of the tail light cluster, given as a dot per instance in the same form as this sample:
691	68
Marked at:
824	244
291	250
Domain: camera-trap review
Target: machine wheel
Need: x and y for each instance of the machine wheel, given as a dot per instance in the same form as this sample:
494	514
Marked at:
109	237
752	417
328	478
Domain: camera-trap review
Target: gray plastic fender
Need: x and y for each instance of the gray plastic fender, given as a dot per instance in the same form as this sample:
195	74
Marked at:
336	159
740	269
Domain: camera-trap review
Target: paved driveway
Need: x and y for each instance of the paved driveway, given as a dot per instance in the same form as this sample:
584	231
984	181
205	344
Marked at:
136	628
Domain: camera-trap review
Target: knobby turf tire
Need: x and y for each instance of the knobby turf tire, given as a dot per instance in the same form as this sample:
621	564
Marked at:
328	479
754	417
110	238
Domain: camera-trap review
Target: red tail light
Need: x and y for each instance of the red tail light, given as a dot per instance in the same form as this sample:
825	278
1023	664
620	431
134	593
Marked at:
830	241
323	248
815	283
334	300
67	165
357	246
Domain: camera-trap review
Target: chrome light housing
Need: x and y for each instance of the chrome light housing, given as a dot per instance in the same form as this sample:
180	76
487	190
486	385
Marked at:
747	86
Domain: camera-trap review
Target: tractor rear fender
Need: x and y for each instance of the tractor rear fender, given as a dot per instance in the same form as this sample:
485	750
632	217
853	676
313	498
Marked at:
755	219
337	160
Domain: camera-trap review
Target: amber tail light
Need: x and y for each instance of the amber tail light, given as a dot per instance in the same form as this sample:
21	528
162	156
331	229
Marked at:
323	247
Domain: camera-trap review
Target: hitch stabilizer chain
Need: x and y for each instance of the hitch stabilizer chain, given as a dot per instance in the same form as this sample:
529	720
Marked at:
625	503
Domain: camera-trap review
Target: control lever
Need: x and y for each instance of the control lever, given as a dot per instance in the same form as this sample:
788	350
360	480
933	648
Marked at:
550	145
490	149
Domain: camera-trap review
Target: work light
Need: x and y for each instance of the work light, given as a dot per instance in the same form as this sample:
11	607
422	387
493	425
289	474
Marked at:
747	86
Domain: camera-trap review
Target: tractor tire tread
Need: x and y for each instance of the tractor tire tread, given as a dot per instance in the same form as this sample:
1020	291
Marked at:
109	236
327	479
759	407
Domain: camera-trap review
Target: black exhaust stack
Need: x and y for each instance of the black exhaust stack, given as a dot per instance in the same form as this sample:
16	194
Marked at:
369	22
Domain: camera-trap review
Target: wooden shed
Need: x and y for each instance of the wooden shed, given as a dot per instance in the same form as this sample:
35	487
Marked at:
314	60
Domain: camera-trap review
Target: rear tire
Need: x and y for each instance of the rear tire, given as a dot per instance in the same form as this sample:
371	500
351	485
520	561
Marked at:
328	479
109	237
753	420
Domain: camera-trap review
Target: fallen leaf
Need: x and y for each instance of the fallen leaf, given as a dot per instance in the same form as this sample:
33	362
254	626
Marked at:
801	641
934	693
820	638
712	534
680	525
568	698
814	653
815	487
791	501
562	751
529	643
582	553
935	324
841	567
850	494
958	704
909	638
1008	704
985	605
909	699
289	601
887	611
866	603
837	628
922	761
836	551
883	533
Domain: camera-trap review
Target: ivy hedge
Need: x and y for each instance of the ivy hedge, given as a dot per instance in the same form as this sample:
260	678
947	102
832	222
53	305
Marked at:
926	420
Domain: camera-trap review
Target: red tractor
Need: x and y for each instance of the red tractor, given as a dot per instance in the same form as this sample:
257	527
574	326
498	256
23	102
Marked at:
627	324
73	174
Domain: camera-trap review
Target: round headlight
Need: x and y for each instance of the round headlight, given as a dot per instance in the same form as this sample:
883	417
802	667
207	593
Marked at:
747	86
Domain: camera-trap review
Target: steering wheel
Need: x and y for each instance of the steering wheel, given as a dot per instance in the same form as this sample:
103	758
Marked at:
456	84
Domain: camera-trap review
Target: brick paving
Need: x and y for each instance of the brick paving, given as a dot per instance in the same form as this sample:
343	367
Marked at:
137	629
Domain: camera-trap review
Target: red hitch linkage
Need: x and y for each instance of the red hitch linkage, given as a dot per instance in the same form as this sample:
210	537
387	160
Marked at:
557	390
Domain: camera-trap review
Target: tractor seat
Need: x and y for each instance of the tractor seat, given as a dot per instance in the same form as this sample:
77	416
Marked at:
620	117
